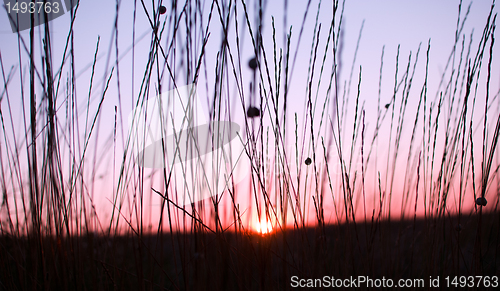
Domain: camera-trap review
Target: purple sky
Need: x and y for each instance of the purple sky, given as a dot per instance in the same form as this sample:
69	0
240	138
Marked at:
389	23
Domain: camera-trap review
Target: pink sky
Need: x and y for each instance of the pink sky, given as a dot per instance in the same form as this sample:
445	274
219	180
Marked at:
389	24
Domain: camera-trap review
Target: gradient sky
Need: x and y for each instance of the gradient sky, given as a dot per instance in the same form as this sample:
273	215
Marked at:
386	23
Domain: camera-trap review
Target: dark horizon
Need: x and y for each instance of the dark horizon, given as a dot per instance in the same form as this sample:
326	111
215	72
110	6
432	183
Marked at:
248	144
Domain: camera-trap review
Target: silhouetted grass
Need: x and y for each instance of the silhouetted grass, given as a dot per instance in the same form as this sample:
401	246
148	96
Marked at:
306	183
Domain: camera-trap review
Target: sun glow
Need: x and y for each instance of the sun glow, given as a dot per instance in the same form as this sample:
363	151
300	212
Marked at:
263	227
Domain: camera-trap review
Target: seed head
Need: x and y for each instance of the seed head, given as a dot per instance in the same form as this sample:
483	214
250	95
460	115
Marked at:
163	9
252	63
253	112
481	201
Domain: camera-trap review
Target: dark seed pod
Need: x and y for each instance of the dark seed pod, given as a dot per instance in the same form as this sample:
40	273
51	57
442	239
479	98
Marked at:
387	105
252	63
481	201
253	112
163	9
308	161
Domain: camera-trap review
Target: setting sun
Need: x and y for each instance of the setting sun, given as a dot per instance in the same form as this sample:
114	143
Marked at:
263	227
250	144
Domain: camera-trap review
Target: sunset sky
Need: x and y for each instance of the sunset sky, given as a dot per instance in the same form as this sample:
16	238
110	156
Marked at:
384	24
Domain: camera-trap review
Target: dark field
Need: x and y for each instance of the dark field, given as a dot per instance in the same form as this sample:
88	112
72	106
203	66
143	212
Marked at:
95	171
225	261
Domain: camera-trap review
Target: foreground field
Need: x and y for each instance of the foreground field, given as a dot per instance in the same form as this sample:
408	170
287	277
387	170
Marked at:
414	249
101	191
